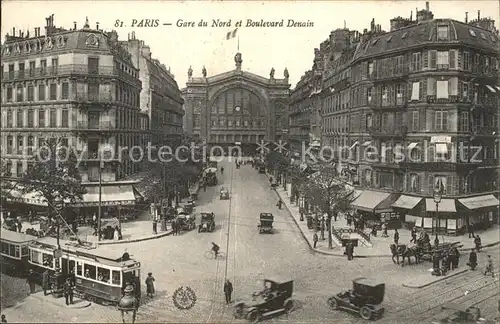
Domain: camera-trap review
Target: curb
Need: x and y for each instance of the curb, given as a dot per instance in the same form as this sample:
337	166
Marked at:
52	301
147	238
435	281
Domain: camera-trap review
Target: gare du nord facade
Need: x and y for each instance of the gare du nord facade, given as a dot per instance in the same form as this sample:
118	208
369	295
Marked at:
429	87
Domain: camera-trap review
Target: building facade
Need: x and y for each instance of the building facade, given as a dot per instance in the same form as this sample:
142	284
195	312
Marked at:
160	96
236	107
81	86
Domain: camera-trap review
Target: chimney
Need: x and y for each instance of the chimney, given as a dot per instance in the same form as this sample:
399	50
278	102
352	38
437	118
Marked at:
97	25
74	25
52	20
14	31
427	5
478	14
411	15
20	33
466	17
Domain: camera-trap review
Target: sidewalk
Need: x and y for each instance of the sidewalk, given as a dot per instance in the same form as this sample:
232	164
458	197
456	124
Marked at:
380	245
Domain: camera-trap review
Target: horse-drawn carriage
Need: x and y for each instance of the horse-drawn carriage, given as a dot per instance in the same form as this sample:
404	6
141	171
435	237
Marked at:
364	298
421	251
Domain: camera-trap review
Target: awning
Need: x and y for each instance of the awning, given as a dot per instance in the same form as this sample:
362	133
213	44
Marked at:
111	195
407	202
368	200
491	88
354	144
30	198
445	206
386	205
441	148
411	146
366	143
479	202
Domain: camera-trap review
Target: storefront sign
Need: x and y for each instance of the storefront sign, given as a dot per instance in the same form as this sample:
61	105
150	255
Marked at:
441	139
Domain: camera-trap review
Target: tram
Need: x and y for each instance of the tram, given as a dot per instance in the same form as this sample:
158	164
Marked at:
14	252
100	276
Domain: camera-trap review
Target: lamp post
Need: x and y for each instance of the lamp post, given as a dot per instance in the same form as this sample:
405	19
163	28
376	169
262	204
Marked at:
128	303
438	194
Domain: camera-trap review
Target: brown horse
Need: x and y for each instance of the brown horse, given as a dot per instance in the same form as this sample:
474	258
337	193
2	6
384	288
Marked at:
405	252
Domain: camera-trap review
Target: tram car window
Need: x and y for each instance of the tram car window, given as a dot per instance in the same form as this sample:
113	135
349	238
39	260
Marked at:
14	252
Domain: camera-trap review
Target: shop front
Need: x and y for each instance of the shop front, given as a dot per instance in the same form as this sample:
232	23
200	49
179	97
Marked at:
481	211
405	205
442	217
376	207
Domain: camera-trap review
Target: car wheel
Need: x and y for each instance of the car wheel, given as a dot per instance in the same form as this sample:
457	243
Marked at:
332	302
288	306
254	316
365	312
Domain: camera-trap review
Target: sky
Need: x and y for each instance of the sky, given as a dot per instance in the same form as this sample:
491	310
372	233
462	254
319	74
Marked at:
262	48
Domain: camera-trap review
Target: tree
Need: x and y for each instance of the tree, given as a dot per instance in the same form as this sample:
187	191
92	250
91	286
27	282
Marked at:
328	194
54	174
276	161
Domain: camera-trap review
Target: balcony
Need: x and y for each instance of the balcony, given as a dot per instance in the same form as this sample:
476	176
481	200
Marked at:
67	70
392	73
93	156
450	99
86	100
102	125
388	131
439	166
385	104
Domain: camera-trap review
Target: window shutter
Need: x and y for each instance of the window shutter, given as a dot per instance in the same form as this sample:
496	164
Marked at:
422	119
425	60
449	185
460	90
423	84
449	121
453	86
430	153
417	184
431	86
459	61
453	59
431	184
364	72
432	59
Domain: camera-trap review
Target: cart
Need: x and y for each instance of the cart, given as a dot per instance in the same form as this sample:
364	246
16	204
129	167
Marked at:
266	223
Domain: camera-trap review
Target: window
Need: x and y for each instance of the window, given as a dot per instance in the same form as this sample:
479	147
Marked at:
20	118
20	93
466	59
196	121
94	92
9	94
442	89
41	118
103	275
442	32
370	68
52	118
415	91
55	64
79	271
222	123
369	94
238	123
464	121
369	121
432	59
441	120
415	120
10	144
53	91
93	65
31	143
453	86
43	67
465	90
416	62
41	92
414	183
65	118
431	87
399	94
32	68
116	278
31	118
90	271
19	167
443	59
31	93
21	70
35	256
385	119
214	123
65	90
245	122
385	93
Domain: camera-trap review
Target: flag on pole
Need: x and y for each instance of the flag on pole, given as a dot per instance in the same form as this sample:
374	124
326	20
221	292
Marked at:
231	34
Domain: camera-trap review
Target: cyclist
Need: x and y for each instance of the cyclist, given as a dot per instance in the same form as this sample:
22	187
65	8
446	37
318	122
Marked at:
221	170
216	249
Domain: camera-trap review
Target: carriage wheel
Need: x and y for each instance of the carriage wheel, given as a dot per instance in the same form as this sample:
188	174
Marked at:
288	306
332	302
254	316
365	312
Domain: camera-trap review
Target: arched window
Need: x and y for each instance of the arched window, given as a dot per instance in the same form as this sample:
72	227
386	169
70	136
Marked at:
238	101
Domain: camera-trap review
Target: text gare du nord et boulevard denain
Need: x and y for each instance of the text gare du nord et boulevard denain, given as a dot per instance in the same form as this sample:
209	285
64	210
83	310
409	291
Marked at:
216	23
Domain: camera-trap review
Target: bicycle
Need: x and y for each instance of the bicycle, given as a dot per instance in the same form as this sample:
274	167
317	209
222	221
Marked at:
210	254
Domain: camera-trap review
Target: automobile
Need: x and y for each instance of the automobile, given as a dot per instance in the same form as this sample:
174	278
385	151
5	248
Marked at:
210	179
365	298
186	222
266	223
274	299
455	313
224	193
207	222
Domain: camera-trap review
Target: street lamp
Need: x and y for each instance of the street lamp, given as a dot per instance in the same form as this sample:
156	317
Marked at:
128	303
438	195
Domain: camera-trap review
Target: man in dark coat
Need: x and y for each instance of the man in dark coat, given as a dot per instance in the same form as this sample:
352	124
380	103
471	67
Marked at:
45	282
68	292
472	260
396	237
279	204
477	242
228	290
315	239
413	235
31	281
349	249
456	258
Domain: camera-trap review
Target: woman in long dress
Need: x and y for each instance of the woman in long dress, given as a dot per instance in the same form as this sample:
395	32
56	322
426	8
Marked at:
116	234
150	287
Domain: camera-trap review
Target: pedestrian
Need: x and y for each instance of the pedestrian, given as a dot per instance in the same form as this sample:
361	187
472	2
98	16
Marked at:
4	319
472	260
116	234
470	229
349	220
456	258
384	230
155	227
413	235
301	211
45	282
349	250
30	280
315	239
396	237
489	267
72	278
150	287
19	226
279	204
68	292
228	290
322	228
477	242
